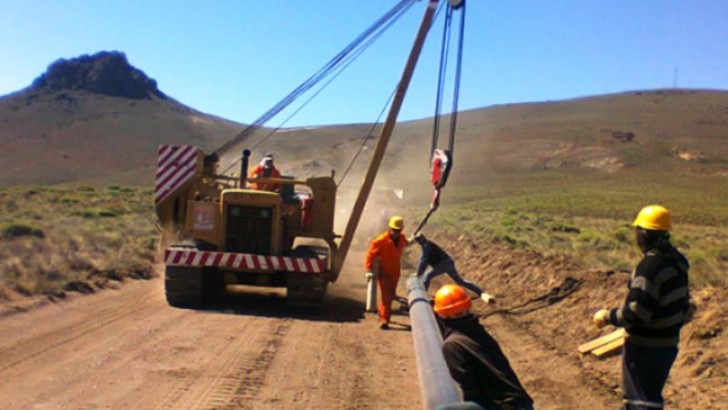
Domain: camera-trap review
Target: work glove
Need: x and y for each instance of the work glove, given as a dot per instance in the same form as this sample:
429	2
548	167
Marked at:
369	275
601	318
489	299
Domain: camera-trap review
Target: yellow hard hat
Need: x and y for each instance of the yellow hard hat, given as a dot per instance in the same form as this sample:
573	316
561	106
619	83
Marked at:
653	217
396	222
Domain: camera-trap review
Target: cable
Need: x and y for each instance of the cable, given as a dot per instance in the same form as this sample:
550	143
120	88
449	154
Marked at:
444	52
394	13
342	63
456	87
568	286
444	55
366	138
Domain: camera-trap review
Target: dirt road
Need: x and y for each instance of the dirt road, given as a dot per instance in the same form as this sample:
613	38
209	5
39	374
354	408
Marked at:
127	348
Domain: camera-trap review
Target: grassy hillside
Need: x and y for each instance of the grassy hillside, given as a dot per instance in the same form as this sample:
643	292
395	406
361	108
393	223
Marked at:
53	137
591	242
55	239
58	239
556	177
604	156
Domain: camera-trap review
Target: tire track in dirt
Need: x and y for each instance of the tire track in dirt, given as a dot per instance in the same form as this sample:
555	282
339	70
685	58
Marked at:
44	343
187	384
340	359
238	389
233	379
354	386
128	349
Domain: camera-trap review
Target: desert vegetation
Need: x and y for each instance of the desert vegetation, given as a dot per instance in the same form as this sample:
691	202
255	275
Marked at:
57	239
591	241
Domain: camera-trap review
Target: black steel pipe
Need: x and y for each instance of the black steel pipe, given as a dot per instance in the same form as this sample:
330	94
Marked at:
437	387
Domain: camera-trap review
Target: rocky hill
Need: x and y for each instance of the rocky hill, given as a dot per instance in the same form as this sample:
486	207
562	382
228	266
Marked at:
95	118
106	72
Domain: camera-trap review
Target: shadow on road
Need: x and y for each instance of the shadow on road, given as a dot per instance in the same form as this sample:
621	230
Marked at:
272	303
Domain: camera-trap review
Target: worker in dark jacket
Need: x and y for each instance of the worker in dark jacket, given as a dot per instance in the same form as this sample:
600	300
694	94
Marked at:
656	307
440	262
474	358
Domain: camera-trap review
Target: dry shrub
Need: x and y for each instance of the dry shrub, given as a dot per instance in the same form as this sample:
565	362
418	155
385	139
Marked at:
19	230
76	236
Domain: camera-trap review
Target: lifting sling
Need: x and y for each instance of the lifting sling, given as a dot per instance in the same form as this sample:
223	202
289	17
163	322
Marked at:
441	161
332	68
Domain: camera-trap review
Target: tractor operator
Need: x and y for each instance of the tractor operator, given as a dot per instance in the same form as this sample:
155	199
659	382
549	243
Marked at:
265	169
656	307
474	359
387	249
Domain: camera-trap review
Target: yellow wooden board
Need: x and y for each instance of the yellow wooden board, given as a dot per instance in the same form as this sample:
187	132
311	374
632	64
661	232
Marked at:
608	348
599	342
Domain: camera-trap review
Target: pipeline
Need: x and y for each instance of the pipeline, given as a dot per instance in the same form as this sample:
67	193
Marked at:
437	387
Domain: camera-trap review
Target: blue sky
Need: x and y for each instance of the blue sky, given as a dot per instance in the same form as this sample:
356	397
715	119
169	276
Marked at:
236	59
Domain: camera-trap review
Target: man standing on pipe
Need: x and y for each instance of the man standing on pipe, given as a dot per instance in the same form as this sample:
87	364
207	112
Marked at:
474	359
387	249
440	262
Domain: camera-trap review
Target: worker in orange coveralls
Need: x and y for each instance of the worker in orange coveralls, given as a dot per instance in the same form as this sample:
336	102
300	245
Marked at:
387	250
265	169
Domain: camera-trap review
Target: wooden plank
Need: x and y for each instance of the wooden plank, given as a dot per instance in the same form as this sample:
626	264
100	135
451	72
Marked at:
596	343
608	348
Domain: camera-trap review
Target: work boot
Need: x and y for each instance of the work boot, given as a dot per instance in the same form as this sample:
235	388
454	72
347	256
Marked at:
384	325
487	298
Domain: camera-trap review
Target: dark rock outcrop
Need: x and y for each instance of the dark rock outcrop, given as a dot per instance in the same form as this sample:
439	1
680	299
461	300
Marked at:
106	72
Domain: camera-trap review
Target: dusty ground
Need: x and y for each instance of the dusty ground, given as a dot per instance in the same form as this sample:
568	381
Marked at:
126	348
699	379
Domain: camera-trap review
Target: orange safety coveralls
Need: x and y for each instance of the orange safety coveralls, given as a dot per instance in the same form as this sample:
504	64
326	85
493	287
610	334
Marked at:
389	255
259	171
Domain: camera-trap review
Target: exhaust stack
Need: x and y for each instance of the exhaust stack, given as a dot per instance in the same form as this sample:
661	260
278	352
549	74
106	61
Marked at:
244	168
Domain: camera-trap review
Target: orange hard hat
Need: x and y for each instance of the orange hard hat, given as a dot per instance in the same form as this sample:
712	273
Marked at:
451	300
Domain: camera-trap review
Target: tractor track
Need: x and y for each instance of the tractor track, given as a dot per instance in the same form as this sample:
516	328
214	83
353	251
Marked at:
240	386
45	343
127	349
239	372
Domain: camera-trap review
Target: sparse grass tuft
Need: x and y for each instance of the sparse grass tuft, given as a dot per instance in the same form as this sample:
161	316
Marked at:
59	238
18	230
592	242
96	213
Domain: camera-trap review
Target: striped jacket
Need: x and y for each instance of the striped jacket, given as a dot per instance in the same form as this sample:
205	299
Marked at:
658	300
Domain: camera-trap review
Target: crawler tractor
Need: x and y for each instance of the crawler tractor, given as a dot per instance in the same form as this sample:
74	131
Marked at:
220	232
217	231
